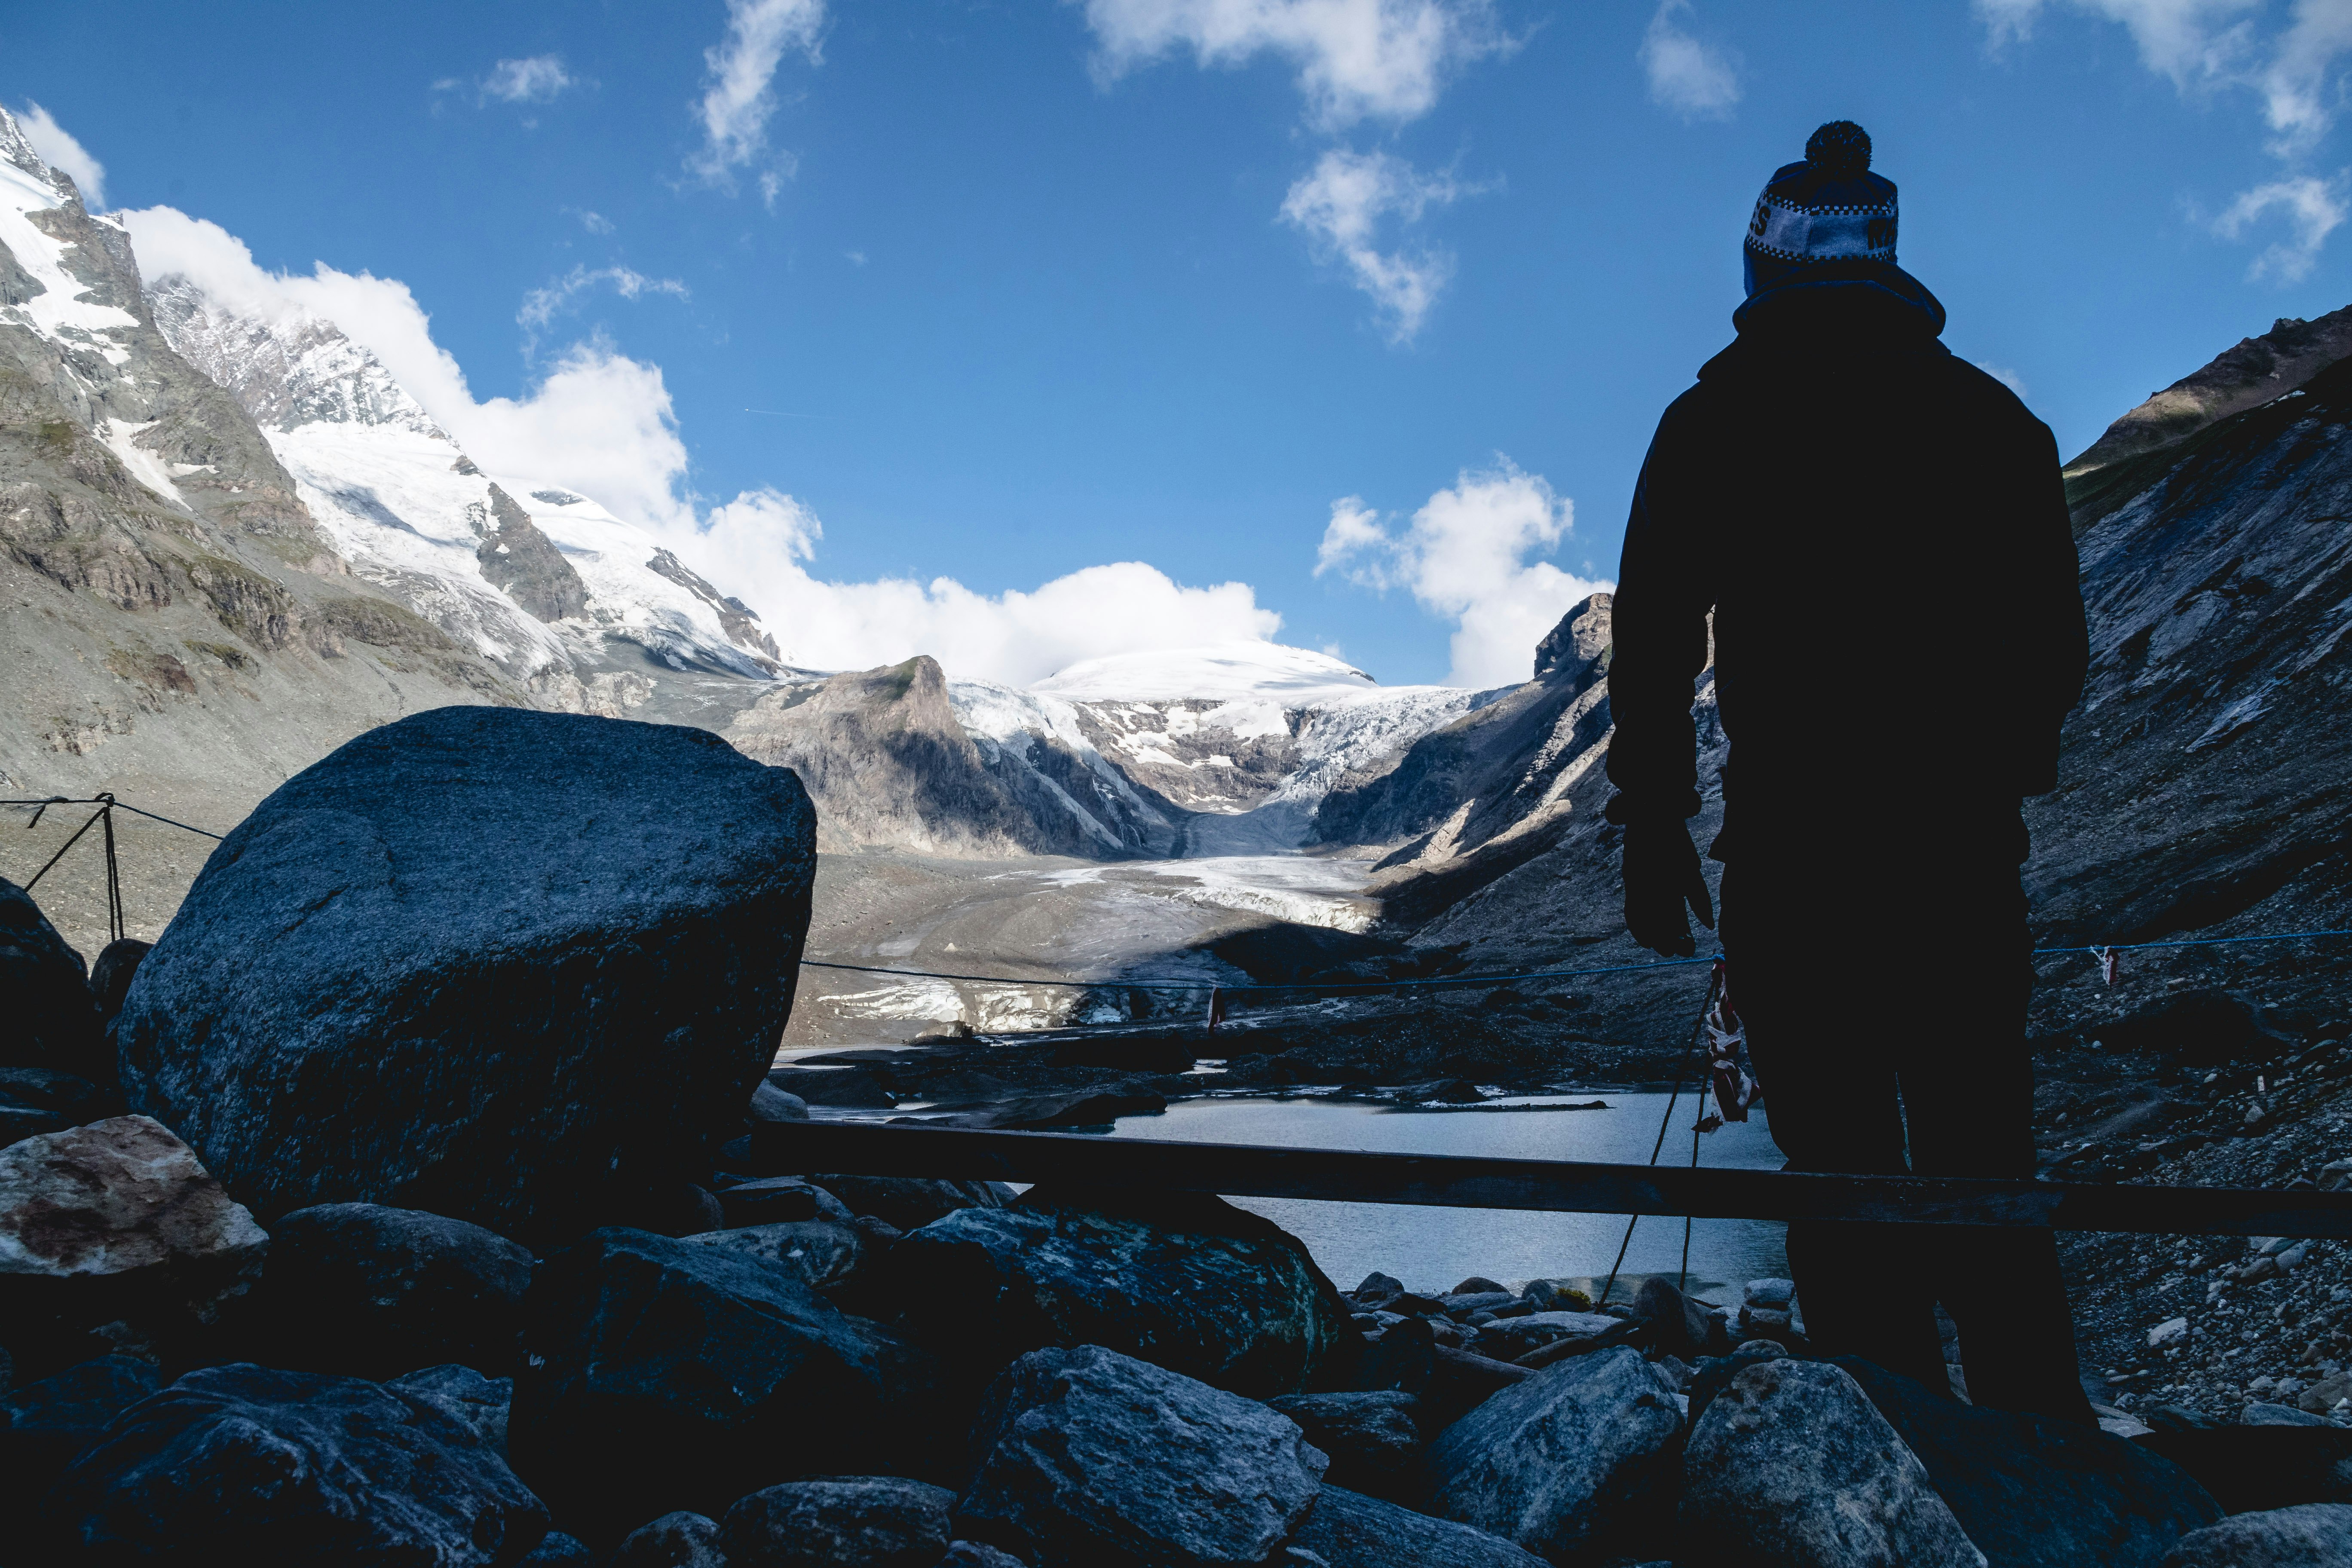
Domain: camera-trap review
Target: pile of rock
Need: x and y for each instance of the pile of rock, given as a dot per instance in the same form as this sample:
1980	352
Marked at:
424	1238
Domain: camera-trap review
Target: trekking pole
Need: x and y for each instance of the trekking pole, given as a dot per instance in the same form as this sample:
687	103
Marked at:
1698	1032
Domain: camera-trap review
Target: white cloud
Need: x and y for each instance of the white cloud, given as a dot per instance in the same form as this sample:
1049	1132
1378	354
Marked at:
1465	555
1691	77
2008	378
603	424
59	149
1357	60
759	544
539	78
2208	46
541	306
740	96
2313	209
1341	205
596	222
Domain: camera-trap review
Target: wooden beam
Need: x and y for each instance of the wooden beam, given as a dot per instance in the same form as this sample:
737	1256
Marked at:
1241	1170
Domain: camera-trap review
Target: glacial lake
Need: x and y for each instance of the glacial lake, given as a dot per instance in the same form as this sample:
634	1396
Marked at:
1435	1249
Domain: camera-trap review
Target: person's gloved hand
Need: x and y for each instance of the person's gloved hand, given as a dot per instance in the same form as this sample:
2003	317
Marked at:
1662	876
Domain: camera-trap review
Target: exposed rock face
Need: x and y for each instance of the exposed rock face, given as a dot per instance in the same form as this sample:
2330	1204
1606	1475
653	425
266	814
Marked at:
1346	1529
729	1374
888	762
1189	1283
1373	1439
482	1403
2315	1535
841	1521
1791	1467
371	1292
820	1252
114	1221
2246	376
518	558
243	1464
1578	1458
738	620
560	950
51	1022
1092	1459
909	1203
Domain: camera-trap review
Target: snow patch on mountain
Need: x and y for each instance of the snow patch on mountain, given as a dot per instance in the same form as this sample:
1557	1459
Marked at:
53	305
416	517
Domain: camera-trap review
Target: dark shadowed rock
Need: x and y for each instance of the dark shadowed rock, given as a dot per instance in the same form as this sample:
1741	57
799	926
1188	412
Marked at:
109	977
1678	1325
516	556
2252	1469
1403	1360
1187	1282
727	1374
2315	1535
243	1463
838	1521
46	1426
770	1103
2033	1492
34	1101
1347	1530
460	1392
1578	1457
114	1223
555	1549
819	1251
371	1292
911	1203
503	965
780	1200
674	1541
1462	1381
977	1554
47	1019
1088	1458
1371	1438
1791	1468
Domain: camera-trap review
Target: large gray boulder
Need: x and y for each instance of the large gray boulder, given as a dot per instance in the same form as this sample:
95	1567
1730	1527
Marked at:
48	1018
662	1375
1576	1460
244	1463
1791	1467
680	1540
46	1426
1347	1530
1188	1282
2315	1535
115	1224
516	968
1088	1458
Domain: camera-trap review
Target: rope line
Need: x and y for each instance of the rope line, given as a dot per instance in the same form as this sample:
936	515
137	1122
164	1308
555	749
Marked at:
44	804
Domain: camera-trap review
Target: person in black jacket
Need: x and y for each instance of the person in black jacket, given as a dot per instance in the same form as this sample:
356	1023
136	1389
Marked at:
1864	539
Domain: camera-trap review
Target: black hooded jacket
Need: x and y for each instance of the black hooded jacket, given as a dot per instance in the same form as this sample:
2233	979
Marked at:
1879	531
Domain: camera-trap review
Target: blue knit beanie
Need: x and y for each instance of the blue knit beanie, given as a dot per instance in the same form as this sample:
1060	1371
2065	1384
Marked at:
1829	207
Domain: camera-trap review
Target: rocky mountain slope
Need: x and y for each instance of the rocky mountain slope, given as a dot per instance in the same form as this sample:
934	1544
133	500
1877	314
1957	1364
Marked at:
2245	376
589	611
178	627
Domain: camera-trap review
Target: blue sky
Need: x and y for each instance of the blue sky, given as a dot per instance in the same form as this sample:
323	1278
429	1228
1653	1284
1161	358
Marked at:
1234	288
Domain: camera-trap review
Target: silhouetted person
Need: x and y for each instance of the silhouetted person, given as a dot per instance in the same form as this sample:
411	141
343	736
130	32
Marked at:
1879	532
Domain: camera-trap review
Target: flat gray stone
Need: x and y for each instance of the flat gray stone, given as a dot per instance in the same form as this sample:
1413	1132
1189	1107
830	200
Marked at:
1348	1530
2315	1535
1573	1460
1088	1458
1793	1467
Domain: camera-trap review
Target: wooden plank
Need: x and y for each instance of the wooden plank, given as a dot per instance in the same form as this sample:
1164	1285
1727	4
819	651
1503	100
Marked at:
1241	1170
